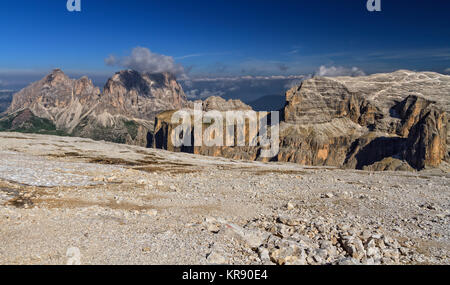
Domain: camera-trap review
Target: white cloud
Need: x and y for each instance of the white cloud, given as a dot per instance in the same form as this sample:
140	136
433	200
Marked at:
144	60
339	71
190	55
111	60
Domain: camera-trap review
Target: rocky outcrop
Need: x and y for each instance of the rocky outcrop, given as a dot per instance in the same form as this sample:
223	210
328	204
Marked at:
123	113
165	127
318	144
320	100
58	98
407	127
220	104
395	121
427	139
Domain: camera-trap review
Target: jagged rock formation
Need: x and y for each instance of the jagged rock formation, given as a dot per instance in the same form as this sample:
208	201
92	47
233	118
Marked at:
394	121
142	95
123	113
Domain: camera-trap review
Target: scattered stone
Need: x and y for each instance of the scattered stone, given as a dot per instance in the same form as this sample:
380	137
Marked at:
215	258
253	238
290	206
327	195
348	261
213	228
263	254
288	256
152	212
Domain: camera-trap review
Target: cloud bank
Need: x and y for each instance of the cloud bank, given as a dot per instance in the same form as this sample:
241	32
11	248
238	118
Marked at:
247	88
144	60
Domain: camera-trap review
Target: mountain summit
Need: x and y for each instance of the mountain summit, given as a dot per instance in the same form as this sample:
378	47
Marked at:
142	95
123	113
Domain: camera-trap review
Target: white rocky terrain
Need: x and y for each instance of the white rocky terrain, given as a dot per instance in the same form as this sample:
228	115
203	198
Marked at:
124	204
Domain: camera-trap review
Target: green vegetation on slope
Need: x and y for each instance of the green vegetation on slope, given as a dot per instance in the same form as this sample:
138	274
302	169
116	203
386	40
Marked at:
32	124
132	128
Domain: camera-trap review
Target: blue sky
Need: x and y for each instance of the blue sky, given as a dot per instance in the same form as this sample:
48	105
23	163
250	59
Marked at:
224	37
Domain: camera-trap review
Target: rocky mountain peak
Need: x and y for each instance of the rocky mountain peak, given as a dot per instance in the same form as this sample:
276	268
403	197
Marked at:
143	95
127	81
56	76
142	83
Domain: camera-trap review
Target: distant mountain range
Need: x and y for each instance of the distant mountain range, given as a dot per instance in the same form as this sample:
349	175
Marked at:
123	112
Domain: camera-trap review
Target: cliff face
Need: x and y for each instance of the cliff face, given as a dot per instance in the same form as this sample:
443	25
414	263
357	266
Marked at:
395	121
164	128
124	113
142	95
360	122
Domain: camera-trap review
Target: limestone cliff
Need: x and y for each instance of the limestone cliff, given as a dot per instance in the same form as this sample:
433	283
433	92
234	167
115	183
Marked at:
142	95
164	127
400	115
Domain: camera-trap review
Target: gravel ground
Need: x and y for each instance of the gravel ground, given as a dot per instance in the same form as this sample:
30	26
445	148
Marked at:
71	200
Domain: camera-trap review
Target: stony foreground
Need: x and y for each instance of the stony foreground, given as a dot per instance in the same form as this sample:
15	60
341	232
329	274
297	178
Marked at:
121	204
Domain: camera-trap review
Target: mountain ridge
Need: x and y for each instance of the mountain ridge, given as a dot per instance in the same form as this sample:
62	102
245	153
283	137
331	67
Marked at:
386	121
77	107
